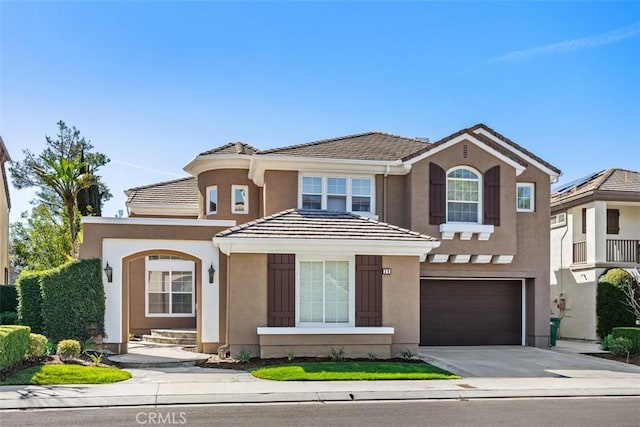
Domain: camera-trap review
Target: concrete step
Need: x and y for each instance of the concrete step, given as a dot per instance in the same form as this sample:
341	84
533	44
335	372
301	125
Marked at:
169	340
174	333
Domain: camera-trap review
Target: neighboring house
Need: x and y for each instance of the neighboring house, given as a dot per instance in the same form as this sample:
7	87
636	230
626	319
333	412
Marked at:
5	206
308	247
595	225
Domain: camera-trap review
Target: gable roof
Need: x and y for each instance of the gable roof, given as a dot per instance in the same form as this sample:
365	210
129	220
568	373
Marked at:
607	183
232	148
362	146
179	191
322	225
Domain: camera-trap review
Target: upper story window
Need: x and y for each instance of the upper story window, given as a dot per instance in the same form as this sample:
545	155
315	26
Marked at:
337	193
212	199
240	199
525	197
463	195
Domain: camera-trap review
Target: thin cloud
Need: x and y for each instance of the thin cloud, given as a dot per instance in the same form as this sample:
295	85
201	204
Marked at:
566	46
144	168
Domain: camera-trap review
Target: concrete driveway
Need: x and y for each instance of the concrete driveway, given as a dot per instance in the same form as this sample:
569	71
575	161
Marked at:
517	361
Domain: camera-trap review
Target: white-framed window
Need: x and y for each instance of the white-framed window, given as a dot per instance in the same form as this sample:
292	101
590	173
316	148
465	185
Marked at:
525	197
463	195
240	199
325	292
558	219
212	199
169	287
337	193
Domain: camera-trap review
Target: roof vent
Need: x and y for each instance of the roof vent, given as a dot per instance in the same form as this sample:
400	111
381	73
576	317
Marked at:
423	139
239	148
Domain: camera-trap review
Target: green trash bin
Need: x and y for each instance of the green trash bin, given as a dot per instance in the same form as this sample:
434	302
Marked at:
554	325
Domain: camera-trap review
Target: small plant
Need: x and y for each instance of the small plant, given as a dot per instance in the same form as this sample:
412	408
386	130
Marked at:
337	355
290	356
407	354
52	347
85	345
243	356
621	347
37	345
96	358
131	336
68	349
372	356
606	342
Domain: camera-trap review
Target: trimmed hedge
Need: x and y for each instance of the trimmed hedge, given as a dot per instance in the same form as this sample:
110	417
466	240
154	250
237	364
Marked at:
73	300
14	341
8	298
632	334
30	300
611	306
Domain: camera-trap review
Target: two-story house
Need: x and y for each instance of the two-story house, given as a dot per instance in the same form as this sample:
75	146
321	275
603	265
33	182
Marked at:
595	226
5	206
371	242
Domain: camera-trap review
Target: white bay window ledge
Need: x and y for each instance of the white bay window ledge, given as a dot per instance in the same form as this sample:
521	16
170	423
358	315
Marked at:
347	330
466	231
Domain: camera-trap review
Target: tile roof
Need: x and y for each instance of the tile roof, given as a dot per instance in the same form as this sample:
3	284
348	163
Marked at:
615	179
179	191
363	146
322	225
232	148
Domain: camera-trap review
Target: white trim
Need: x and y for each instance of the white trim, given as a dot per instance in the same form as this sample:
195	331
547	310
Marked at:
449	229
351	264
162	209
159	221
323	166
438	258
235	187
365	330
532	188
207	162
468	137
208	199
349	191
229	245
554	175
170	266
502	259
481	259
460	259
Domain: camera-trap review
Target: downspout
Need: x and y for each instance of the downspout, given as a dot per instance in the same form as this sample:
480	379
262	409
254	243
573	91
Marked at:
384	194
222	350
562	296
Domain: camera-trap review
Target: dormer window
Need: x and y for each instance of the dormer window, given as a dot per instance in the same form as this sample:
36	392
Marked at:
463	195
337	193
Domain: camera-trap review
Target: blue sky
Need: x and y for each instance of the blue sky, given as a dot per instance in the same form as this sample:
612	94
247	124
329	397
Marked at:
152	84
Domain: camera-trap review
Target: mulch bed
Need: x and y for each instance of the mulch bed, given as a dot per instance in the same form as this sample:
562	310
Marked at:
215	362
84	359
633	359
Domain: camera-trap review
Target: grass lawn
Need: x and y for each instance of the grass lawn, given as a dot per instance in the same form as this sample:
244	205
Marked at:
350	370
66	374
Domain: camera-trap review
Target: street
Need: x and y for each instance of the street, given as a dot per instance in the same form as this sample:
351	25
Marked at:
567	412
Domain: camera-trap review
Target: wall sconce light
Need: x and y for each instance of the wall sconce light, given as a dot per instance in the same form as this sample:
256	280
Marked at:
108	270
212	271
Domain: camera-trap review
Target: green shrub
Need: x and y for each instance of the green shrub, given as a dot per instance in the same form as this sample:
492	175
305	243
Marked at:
14	341
8	318
611	306
407	354
606	342
8	298
632	334
68	349
337	354
37	345
620	346
73	300
30	300
243	355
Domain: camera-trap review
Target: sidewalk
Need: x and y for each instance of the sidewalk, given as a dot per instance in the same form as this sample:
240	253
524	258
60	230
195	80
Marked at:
194	385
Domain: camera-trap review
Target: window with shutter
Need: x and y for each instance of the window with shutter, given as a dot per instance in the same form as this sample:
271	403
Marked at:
368	290
281	290
613	221
437	194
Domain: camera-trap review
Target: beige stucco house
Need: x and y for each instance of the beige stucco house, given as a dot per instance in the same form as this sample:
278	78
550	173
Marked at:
372	242
595	226
5	206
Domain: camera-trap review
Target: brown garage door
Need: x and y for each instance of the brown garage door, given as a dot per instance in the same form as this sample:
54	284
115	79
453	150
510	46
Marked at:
470	312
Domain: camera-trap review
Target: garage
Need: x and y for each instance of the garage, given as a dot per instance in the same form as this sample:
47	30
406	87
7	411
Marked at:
470	312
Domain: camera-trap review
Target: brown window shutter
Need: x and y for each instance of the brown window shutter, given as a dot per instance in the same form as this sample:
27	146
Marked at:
584	220
613	221
437	195
281	290
368	290
491	196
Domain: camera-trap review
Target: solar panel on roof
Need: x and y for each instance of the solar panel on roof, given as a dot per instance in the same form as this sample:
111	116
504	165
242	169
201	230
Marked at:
563	188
